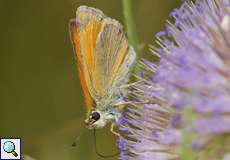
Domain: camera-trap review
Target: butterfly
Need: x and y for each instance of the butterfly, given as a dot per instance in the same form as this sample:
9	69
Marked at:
104	60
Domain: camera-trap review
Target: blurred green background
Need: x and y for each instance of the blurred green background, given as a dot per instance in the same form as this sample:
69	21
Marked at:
40	96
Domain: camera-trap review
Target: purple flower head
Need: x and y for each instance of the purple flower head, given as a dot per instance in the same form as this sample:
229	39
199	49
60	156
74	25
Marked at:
194	69
185	98
144	127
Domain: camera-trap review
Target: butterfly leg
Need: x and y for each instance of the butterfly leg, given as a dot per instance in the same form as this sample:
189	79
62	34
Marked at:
122	91
113	131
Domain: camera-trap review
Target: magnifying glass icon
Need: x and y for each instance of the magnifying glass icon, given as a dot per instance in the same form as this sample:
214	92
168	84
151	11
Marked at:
9	147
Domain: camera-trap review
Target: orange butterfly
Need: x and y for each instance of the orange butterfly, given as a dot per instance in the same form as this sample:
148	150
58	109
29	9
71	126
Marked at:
104	61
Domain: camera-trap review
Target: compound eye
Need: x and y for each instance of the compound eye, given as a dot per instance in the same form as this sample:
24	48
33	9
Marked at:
95	116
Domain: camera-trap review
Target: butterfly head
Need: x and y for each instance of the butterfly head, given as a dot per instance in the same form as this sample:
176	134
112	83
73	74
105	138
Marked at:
98	119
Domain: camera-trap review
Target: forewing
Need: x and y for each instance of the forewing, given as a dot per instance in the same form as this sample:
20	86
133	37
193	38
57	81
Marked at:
83	32
89	21
77	50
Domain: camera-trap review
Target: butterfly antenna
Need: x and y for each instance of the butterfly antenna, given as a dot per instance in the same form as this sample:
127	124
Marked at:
76	139
95	147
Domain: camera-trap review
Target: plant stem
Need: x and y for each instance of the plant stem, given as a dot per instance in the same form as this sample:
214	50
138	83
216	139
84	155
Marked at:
130	25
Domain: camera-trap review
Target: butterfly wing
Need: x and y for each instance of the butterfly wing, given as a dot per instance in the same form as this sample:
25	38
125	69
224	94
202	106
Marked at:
113	57
102	52
83	33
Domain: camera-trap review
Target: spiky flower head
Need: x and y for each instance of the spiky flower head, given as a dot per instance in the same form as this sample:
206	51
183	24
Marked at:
192	79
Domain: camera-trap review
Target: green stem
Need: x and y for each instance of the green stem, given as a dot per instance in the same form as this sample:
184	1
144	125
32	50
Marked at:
130	25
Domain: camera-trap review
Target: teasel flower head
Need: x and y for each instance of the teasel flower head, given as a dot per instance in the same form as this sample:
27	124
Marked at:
184	109
142	126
